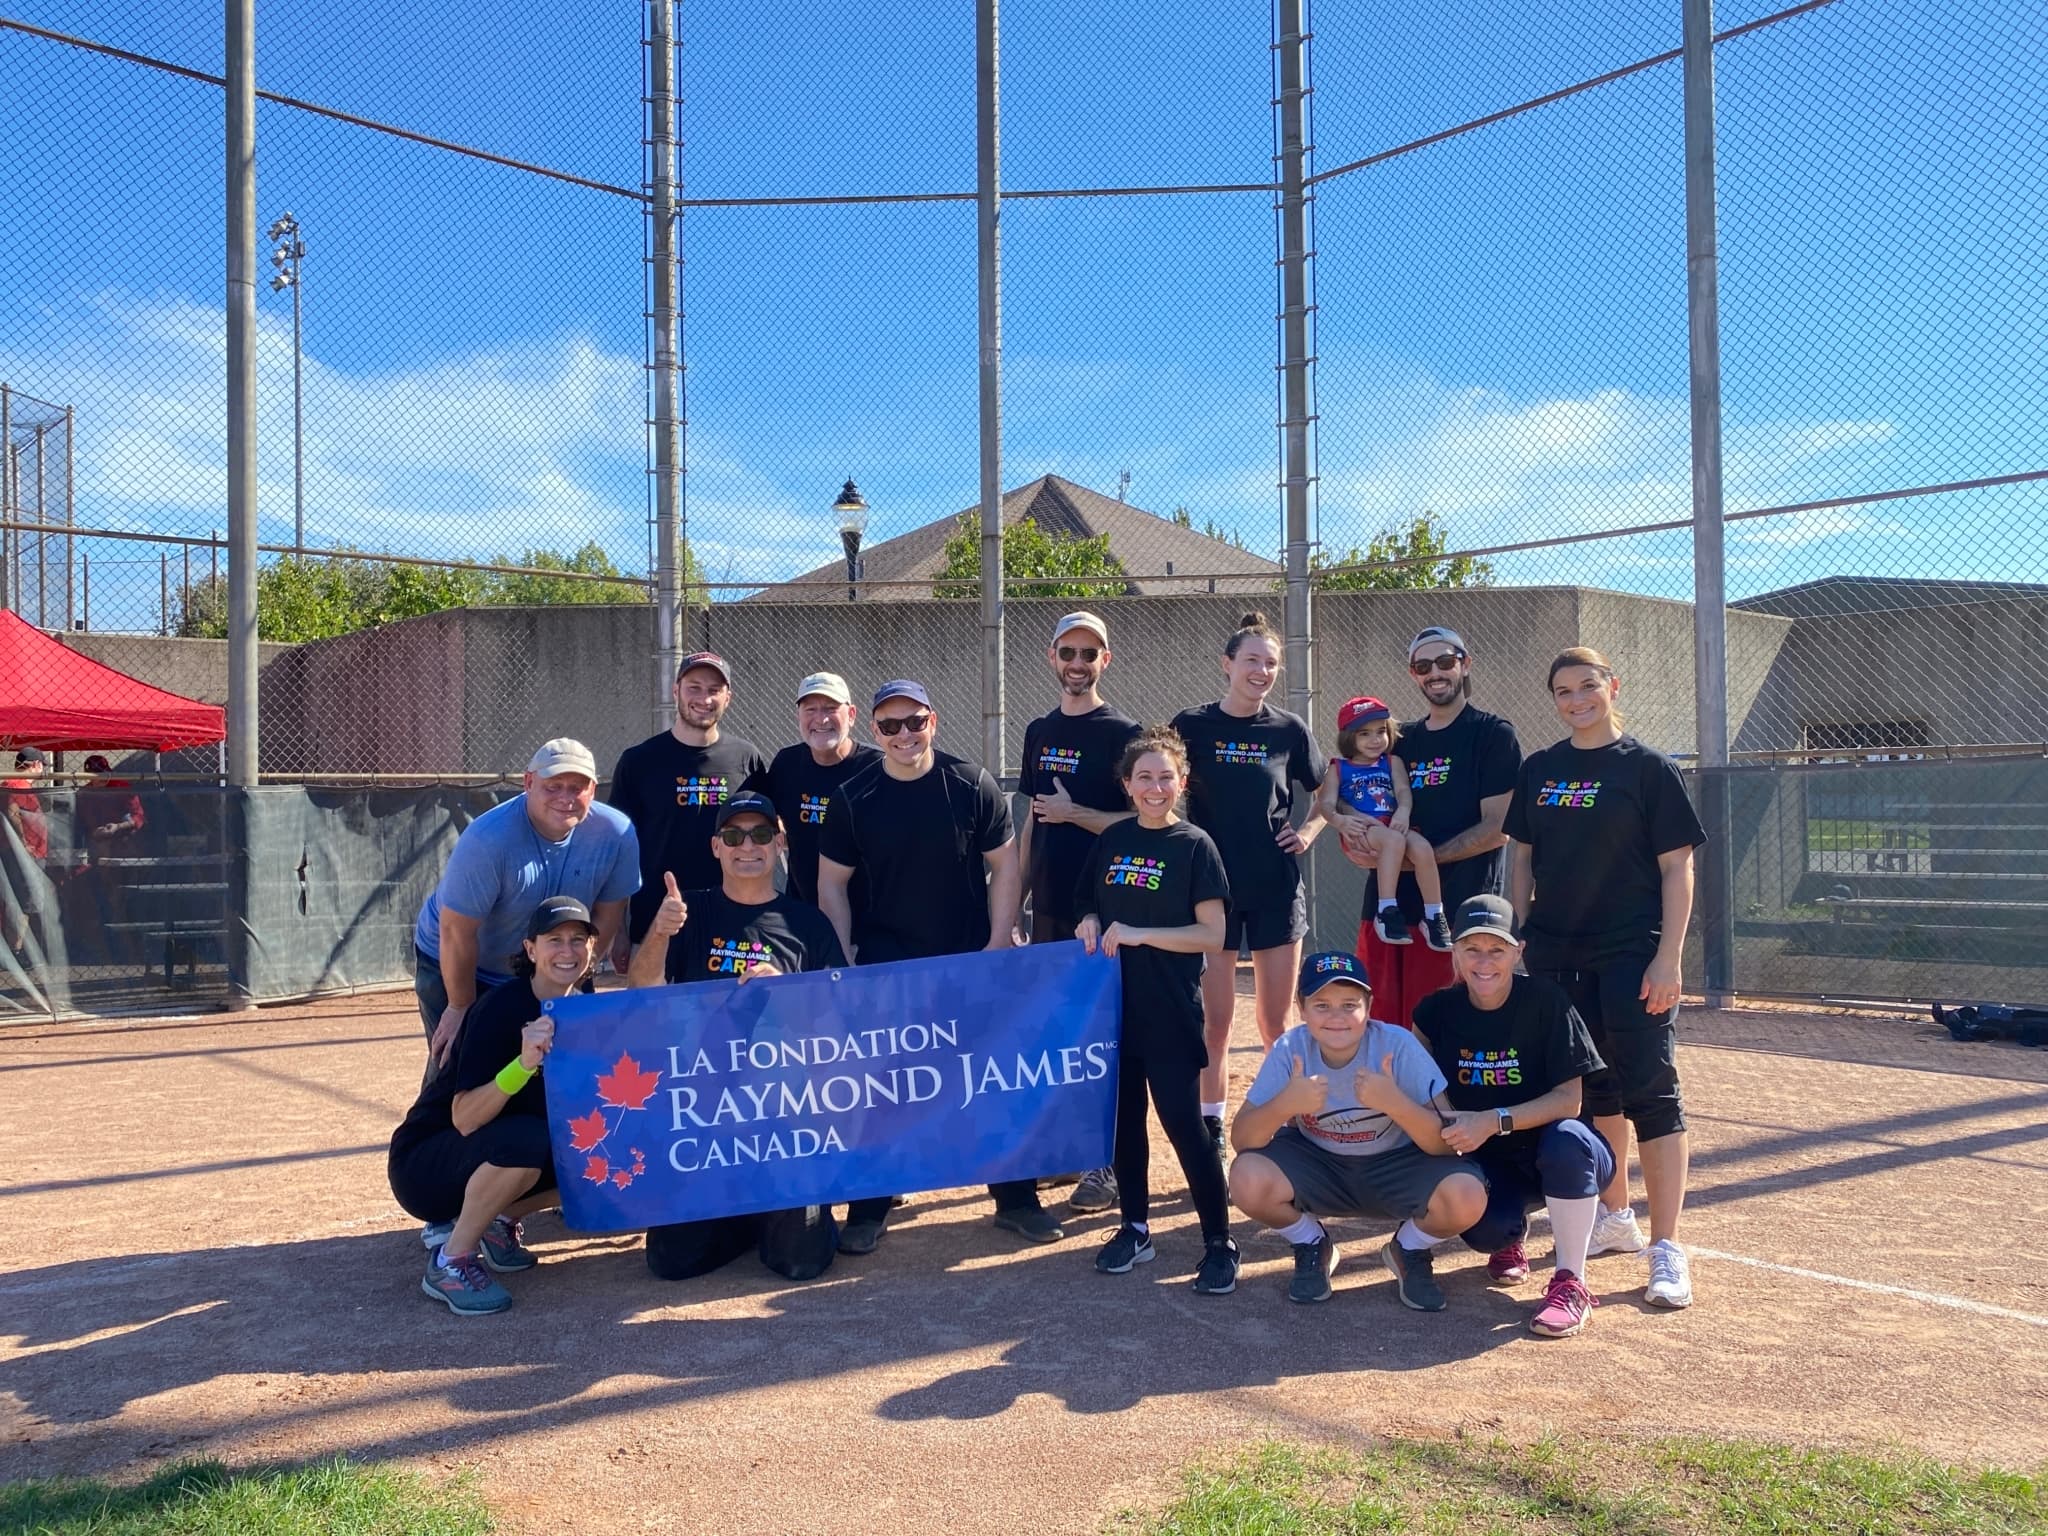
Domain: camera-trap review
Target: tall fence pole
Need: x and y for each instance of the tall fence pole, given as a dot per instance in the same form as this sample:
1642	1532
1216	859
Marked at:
669	531
1292	156
7	508
242	757
1709	572
988	250
70	511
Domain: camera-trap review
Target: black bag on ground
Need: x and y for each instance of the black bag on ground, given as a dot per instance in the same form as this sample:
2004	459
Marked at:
1994	1021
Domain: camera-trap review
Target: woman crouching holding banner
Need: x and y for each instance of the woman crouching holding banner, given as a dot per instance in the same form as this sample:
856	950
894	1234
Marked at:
1154	897
472	1156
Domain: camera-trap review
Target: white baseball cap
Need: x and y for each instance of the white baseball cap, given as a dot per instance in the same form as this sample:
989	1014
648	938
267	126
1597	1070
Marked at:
829	685
1080	620
563	755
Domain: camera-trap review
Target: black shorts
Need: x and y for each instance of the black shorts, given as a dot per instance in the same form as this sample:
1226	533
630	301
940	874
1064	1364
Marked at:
1640	1048
1392	1186
1258	928
430	1177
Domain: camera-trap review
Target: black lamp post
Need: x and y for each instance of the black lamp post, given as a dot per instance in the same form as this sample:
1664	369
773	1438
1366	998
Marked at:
852	508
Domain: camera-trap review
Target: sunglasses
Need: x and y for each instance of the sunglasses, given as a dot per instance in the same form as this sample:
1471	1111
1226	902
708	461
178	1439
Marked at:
1448	662
914	724
1078	652
733	837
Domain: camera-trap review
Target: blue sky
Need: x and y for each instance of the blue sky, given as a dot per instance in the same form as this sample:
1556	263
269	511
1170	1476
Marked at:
1501	335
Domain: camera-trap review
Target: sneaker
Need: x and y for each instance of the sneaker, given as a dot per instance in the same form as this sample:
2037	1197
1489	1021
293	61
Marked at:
435	1233
1391	927
1128	1247
1617	1232
501	1250
1313	1265
1213	1124
464	1284
1096	1192
1436	932
1033	1223
1510	1266
1670	1276
860	1237
1567	1307
1414	1271
1217	1275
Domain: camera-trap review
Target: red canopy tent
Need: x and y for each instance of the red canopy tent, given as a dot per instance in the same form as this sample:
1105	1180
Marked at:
53	697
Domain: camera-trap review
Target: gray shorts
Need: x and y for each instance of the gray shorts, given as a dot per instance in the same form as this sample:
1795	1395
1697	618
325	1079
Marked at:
1392	1186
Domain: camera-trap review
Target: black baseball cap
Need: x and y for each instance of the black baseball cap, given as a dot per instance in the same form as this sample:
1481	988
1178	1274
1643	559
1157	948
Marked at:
26	755
554	912
1485	914
1318	971
746	804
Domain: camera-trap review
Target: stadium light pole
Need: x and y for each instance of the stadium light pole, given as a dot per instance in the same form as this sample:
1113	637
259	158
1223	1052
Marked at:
852	508
286	258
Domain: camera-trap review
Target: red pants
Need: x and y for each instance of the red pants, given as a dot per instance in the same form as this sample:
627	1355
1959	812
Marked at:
1402	975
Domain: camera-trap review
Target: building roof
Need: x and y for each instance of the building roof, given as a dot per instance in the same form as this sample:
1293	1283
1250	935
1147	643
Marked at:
1835	596
1160	555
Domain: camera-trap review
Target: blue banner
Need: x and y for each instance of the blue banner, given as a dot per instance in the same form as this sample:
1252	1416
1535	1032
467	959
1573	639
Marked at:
719	1098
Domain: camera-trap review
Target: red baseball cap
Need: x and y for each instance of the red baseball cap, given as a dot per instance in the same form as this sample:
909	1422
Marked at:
1360	710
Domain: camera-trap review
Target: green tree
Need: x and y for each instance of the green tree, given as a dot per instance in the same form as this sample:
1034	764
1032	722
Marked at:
590	560
1423	543
320	597
1052	564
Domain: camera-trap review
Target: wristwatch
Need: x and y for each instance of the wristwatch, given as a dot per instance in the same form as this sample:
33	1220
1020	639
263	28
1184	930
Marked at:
1507	1122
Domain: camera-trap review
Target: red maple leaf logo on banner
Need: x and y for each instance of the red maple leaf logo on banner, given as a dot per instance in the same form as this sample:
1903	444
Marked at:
627	1085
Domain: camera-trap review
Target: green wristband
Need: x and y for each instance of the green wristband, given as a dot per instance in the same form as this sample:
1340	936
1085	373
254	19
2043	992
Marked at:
514	1076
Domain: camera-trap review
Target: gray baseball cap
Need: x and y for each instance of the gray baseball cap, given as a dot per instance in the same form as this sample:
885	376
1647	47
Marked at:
563	755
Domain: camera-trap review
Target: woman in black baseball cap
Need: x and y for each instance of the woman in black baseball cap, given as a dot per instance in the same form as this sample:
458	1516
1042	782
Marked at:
472	1155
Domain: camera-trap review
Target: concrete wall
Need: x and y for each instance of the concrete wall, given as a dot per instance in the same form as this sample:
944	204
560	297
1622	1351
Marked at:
1935	665
474	690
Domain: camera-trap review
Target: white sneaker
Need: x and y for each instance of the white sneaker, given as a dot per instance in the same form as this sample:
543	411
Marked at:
1617	1232
1670	1276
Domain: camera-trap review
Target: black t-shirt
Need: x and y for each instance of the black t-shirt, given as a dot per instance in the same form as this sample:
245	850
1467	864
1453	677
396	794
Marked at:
1495	1058
1596	821
1081	752
671	793
921	843
1152	877
489	1039
1242	775
722	937
802	789
1450	771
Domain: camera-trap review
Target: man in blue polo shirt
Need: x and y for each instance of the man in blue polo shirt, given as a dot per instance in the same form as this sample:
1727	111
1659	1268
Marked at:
553	840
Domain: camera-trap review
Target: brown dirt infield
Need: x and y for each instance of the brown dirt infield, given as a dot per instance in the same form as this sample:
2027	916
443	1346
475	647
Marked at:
202	1258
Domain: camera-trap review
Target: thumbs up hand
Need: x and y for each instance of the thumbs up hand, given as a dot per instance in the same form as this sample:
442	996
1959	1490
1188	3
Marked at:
1304	1095
671	914
1377	1088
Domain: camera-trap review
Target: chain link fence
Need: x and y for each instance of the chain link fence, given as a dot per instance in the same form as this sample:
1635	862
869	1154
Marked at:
457	430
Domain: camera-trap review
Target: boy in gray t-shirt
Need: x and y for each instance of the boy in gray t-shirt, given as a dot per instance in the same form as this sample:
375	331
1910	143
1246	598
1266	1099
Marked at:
1344	1119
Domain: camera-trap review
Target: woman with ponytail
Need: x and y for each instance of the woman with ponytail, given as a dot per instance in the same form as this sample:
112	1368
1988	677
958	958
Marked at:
1246	763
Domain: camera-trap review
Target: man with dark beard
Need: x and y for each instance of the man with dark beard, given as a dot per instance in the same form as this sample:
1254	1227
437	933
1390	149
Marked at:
1069	771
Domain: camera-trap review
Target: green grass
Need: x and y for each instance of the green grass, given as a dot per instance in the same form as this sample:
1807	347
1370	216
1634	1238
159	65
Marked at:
336	1498
1836	835
1593	1488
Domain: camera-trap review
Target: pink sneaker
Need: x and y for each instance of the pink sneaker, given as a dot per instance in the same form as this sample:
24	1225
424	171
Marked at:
1567	1308
1509	1266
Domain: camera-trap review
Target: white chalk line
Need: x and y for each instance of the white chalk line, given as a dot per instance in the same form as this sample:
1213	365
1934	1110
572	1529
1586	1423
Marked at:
1932	1298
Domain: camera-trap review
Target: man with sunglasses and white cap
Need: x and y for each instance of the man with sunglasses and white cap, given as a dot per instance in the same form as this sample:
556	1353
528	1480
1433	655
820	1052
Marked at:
742	927
805	777
1462	766
672	784
932	833
1069	771
553	840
